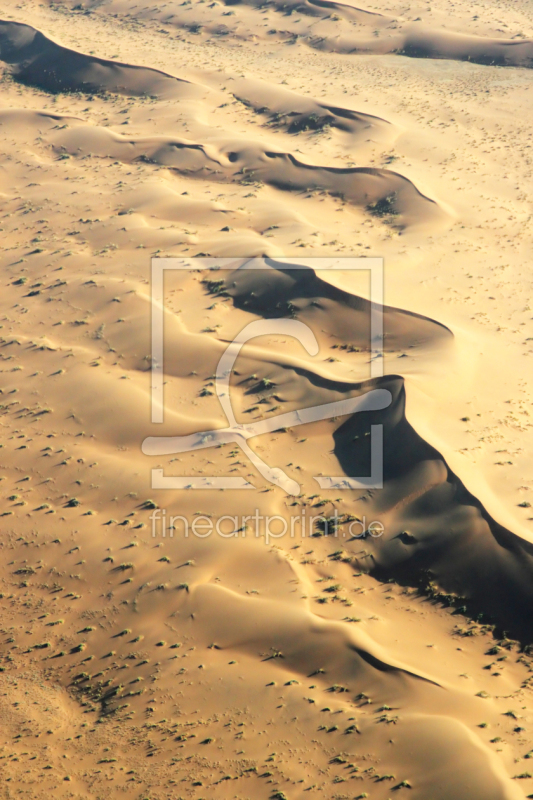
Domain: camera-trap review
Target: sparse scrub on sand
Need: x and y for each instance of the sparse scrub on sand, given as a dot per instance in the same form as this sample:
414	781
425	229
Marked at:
384	207
123	567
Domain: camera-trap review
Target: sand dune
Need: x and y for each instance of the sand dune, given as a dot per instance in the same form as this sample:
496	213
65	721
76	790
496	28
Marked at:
39	61
372	32
433	523
382	192
438	530
346	316
423	43
142	660
296	113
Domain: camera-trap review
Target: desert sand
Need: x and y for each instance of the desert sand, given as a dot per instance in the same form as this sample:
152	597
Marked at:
242	665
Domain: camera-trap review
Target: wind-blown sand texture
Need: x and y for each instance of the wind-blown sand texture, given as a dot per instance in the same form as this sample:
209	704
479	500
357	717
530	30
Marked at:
322	666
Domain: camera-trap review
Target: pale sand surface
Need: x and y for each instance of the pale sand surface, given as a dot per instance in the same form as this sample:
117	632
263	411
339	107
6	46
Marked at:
233	667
